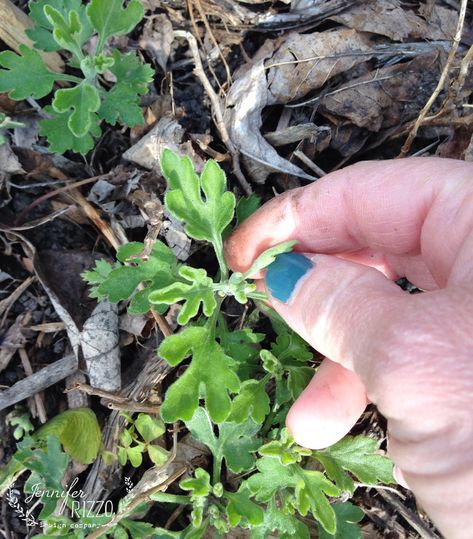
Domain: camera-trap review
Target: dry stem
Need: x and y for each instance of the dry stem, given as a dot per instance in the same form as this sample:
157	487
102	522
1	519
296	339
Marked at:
441	83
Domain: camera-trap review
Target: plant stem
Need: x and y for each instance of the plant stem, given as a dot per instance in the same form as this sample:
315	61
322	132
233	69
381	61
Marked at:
216	470
170	498
68	78
218	248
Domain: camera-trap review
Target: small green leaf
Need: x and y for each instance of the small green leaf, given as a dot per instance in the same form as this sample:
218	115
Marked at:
42	35
240	506
358	455
252	401
202	203
310	488
284	449
158	455
347	516
196	291
209	375
112	19
149	427
199	485
236	443
61	139
25	75
122	104
284	523
129	69
269	256
242	346
79	432
160	269
67	29
135	455
84	101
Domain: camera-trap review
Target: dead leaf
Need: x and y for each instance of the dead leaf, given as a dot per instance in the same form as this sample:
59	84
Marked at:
9	163
247	98
157	38
389	18
386	97
305	62
167	133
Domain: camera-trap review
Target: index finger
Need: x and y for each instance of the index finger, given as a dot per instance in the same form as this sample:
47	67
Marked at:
397	207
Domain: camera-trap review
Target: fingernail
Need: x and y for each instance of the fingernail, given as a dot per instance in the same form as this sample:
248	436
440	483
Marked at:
284	273
399	477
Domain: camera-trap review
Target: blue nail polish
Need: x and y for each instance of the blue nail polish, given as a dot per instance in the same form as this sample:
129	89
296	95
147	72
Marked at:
284	273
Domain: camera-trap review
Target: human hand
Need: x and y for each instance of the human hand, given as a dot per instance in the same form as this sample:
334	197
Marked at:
411	355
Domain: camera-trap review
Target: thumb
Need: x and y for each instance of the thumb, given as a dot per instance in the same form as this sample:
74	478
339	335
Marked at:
339	308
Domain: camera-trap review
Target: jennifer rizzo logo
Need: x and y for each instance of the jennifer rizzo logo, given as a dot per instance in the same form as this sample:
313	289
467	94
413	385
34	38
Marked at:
73	503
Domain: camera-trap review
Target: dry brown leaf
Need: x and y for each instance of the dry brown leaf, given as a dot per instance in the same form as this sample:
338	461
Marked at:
388	18
167	133
157	38
385	97
305	62
247	98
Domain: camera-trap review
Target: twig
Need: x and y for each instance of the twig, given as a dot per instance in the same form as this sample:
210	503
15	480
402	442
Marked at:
40	380
51	194
456	87
214	41
190	9
95	391
132	406
408	515
25	361
315	168
7	303
216	108
102	226
441	83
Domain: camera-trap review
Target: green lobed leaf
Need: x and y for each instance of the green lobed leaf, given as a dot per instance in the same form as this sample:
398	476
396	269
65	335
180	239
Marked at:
110	18
67	29
79	432
196	290
241	507
128	68
236	443
242	346
160	269
358	455
84	102
202	203
61	139
199	485
48	466
252	401
310	488
284	523
209	376
121	104
269	256
284	449
25	75
347	516
41	33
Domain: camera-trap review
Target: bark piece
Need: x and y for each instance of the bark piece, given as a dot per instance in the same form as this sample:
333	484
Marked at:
39	381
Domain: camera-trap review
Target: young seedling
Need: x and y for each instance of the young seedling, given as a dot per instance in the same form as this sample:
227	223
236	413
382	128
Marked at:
238	384
100	83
